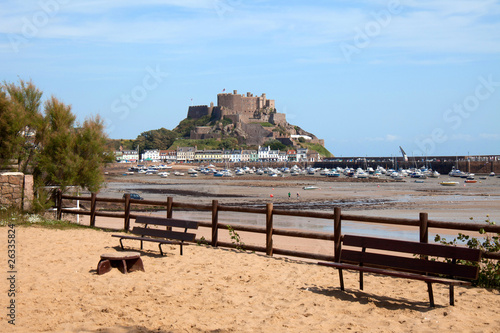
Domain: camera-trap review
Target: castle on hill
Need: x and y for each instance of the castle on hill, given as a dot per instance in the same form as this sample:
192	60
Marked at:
246	114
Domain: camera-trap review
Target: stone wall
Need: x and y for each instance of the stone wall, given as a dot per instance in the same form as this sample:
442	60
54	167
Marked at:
16	190
11	189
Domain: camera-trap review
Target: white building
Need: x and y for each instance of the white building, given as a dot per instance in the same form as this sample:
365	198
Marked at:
130	155
263	153
302	155
151	155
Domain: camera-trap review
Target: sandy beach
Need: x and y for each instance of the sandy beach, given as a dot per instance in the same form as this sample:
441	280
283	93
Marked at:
222	290
218	290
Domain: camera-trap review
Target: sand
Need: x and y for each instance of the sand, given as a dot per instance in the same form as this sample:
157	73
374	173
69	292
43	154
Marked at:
222	290
218	290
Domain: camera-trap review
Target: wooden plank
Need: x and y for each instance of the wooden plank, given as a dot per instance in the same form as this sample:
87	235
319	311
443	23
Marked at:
399	274
167	222
410	264
164	234
156	240
437	250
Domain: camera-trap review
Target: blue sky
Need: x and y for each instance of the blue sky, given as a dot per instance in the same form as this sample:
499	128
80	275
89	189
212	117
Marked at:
365	76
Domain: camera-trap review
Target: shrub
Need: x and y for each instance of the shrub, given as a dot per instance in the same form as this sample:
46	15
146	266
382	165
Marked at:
489	269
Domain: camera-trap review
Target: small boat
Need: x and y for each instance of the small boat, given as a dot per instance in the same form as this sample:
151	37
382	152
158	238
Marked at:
310	187
449	183
483	178
419	180
471	181
492	174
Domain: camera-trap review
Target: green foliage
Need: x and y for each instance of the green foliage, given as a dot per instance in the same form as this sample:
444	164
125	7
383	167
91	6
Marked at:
318	148
228	143
155	139
266	124
302	140
20	124
235	238
275	145
226	121
185	126
13	216
202	241
489	269
51	146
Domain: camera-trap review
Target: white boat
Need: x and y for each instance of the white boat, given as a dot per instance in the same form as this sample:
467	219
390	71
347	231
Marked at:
449	183
492	174
456	173
310	187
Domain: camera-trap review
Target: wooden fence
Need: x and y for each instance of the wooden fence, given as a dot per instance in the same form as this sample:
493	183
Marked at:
423	223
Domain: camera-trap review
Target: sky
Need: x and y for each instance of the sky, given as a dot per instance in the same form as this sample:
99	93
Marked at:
365	76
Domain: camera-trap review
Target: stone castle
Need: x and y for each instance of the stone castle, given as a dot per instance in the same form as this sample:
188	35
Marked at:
247	114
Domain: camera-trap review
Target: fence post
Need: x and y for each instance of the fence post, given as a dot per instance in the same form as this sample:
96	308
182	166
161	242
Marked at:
337	232
92	209
170	202
424	229
269	229
126	222
59	204
215	221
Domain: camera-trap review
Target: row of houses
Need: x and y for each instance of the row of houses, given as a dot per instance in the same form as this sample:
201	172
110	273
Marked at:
191	154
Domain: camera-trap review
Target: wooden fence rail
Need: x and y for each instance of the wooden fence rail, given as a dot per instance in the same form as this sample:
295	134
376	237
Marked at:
423	223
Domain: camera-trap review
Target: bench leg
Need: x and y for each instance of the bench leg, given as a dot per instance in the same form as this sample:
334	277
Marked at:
431	294
452	294
103	266
135	265
341	277
161	251
181	249
361	280
121	244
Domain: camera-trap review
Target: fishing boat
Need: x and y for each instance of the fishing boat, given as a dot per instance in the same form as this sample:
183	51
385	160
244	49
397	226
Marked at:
449	183
310	187
471	181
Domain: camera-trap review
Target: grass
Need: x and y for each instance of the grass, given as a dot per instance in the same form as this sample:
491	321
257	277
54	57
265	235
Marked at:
12	216
317	147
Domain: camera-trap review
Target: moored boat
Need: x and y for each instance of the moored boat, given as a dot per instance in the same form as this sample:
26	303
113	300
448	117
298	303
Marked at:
449	183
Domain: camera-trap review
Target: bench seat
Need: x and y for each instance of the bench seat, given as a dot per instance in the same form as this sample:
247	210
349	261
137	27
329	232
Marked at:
161	236
431	263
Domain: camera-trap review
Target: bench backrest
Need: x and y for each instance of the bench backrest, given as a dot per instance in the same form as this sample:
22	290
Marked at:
163	233
399	259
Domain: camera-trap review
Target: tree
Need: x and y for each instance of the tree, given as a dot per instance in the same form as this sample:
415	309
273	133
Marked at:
58	160
92	153
52	146
275	145
20	123
156	139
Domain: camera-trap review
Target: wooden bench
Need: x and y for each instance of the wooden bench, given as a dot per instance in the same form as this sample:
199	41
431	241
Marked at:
161	236
405	259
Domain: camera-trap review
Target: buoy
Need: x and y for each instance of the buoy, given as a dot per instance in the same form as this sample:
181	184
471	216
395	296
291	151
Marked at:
271	195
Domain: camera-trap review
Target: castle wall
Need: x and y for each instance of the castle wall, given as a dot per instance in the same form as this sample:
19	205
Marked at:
257	134
277	118
243	104
198	111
